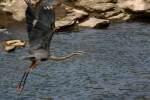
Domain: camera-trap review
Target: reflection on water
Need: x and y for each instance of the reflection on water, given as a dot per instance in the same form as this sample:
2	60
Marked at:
115	67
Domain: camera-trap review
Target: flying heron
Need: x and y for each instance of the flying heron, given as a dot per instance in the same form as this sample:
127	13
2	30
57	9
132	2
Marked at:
40	29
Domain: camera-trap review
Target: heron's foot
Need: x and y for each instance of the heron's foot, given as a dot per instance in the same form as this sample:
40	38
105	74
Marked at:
67	56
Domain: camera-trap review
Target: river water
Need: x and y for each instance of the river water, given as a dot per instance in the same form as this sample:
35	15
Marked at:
116	66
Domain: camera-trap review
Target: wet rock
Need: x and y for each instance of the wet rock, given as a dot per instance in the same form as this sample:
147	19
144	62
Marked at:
9	48
12	44
62	24
95	23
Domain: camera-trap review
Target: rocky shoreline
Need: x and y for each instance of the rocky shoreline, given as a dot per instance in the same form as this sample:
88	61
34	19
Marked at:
80	13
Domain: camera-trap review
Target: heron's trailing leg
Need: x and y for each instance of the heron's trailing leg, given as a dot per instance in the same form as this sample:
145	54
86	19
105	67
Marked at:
21	84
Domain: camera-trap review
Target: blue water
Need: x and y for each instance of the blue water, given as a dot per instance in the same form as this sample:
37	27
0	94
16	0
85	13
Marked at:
116	66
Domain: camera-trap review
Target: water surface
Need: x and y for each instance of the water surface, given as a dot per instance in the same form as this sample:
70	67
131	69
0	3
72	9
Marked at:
116	66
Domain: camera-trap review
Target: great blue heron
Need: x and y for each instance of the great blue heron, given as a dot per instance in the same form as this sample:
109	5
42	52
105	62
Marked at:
40	28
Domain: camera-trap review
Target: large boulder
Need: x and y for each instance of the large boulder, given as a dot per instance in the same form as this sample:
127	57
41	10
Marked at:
16	8
135	5
10	11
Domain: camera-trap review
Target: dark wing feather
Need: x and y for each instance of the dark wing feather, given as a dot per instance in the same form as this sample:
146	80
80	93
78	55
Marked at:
30	17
